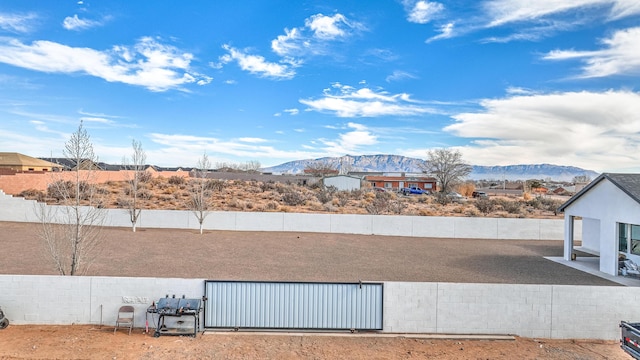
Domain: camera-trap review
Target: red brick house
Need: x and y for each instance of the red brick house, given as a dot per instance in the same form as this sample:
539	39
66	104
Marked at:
396	183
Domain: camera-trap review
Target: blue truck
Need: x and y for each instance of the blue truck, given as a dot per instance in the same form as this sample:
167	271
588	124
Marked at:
414	190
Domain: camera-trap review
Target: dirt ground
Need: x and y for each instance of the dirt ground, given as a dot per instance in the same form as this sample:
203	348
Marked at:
223	255
90	342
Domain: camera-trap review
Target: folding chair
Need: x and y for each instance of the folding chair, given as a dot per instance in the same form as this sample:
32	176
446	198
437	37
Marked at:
125	318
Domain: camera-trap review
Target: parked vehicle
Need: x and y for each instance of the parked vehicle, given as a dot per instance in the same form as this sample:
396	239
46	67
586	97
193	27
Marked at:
4	322
456	197
479	194
414	190
630	338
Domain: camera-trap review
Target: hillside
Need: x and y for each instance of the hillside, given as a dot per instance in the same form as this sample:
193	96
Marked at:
398	163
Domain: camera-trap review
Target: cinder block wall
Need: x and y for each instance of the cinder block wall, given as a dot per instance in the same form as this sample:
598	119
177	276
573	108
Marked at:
18	209
545	311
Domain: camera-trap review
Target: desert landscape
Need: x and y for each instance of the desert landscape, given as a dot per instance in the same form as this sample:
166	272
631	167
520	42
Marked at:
175	193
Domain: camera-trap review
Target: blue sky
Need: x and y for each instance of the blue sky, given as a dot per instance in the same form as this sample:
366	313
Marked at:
504	81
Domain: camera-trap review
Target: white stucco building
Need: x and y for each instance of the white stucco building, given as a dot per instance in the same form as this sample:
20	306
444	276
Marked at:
610	210
343	182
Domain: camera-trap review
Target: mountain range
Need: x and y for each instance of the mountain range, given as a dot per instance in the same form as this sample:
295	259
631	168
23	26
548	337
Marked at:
399	164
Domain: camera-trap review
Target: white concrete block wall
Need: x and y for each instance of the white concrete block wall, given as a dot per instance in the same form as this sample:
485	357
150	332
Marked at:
221	220
410	307
513	229
351	224
307	222
524	310
18	209
45	299
250	221
393	225
545	311
434	226
475	228
593	312
32	299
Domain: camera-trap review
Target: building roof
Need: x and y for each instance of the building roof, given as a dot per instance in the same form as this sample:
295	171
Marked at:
628	183
17	159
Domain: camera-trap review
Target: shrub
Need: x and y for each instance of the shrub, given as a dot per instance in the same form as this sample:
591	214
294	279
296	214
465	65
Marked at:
176	180
380	204
32	194
396	207
66	189
325	195
267	186
215	185
145	176
342	198
293	198
485	206
441	198
272	205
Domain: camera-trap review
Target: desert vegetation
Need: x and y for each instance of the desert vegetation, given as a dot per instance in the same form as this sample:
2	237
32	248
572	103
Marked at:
176	193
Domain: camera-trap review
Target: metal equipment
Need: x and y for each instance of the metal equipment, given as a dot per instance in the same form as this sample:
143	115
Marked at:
176	308
630	338
4	322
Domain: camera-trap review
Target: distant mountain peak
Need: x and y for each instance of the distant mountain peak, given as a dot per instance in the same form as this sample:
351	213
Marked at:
398	163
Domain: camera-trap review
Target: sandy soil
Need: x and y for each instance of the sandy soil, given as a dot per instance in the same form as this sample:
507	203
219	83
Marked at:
88	342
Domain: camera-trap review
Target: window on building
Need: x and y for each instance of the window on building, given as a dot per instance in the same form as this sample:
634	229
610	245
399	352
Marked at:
428	186
622	238
635	239
388	185
414	185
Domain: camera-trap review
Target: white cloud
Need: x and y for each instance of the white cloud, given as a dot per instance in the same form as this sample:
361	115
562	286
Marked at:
599	131
252	140
313	38
621	55
75	23
149	64
350	141
257	64
399	75
534	20
509	11
292	111
421	11
16	23
346	101
446	31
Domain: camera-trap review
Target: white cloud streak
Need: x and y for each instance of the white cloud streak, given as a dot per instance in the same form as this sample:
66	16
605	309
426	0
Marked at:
77	24
346	101
599	131
620	56
148	63
17	23
257	65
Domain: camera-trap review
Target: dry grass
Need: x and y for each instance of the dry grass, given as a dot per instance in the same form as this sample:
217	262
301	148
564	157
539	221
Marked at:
238	195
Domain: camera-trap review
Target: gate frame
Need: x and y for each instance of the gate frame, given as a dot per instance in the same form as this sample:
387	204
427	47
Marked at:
359	283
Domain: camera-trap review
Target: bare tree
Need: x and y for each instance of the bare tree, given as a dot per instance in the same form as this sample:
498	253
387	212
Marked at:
447	167
72	232
321	169
135	181
199	201
252	166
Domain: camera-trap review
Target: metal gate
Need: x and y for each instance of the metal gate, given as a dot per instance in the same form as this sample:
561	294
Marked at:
293	305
